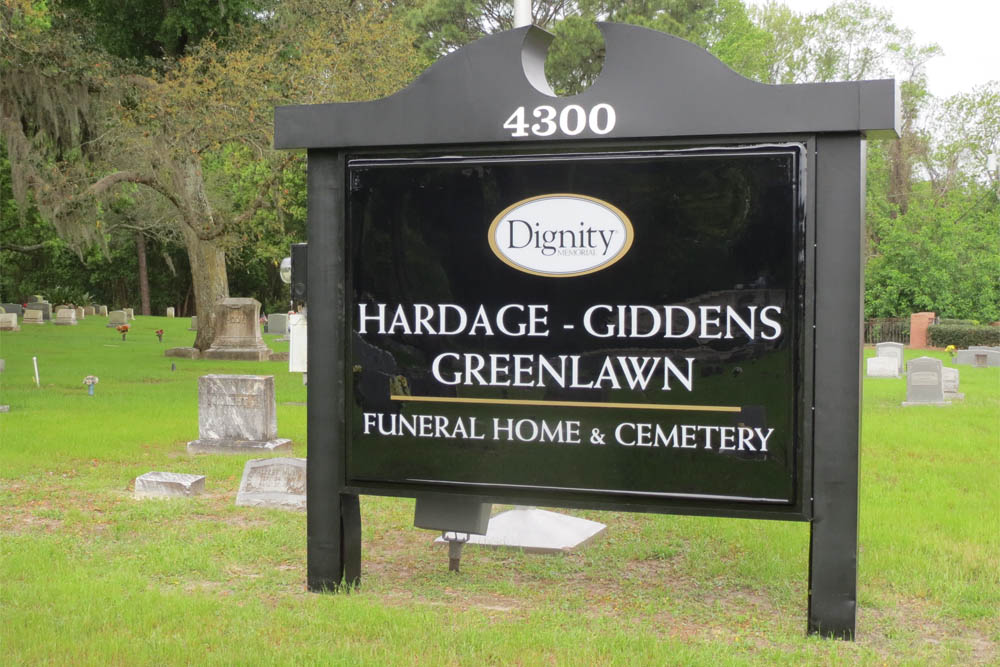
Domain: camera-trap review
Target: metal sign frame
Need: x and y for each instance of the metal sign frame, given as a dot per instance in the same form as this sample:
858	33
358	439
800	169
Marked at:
655	89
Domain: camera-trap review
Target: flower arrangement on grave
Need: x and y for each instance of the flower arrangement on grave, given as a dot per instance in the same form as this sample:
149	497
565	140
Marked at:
159	335
123	330
951	351
90	381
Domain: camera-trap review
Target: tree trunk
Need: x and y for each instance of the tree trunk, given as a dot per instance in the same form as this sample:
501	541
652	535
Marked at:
209	280
140	247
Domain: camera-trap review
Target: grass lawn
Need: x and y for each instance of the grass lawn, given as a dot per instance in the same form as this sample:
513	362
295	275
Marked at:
88	575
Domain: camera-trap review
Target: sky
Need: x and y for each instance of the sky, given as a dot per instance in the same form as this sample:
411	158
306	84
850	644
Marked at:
965	29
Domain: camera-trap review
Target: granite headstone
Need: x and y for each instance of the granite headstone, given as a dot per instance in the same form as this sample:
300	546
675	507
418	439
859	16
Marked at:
33	316
925	382
13	308
80	313
170	311
102	310
882	367
949	381
194	323
66	316
44	306
168	485
276	482
237	414
8	322
277	323
893	350
238	332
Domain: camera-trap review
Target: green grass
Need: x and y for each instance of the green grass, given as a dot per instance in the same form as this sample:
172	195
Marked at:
88	575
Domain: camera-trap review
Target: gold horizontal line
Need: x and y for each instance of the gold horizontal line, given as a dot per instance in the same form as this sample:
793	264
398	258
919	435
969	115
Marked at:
566	404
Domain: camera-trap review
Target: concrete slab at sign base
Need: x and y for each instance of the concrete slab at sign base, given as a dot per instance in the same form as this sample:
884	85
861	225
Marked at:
536	531
183	352
211	446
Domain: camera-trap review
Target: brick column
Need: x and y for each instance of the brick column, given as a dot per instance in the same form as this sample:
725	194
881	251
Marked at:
918	329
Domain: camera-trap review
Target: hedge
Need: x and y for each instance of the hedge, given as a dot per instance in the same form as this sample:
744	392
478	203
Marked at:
961	335
945	320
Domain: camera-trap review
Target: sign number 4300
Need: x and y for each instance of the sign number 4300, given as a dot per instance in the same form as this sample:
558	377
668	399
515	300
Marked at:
571	121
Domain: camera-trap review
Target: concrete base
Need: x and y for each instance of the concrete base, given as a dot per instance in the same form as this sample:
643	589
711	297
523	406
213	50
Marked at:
13	328
237	354
183	352
909	404
168	485
278	445
954	395
536	531
279	356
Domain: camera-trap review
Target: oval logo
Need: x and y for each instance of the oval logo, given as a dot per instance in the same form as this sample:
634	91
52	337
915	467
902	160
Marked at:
561	235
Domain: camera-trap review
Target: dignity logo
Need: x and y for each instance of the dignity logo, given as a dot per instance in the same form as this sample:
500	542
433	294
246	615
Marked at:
561	235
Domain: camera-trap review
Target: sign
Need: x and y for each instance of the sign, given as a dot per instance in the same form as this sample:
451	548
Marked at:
635	336
645	296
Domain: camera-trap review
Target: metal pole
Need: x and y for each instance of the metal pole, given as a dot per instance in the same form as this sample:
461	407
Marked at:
522	13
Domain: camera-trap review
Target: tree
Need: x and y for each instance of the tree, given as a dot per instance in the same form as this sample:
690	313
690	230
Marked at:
152	133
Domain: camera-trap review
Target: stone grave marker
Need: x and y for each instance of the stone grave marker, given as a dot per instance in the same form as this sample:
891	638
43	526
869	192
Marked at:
194	323
2	310
44	306
949	380
3	365
892	350
116	318
978	357
238	337
925	382
168	485
32	316
102	310
89	311
129	313
882	367
170	311
8	322
276	482
13	308
66	317
277	323
237	414
80	313
36	298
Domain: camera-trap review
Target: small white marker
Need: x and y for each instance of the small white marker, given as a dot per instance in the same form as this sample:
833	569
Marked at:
567	326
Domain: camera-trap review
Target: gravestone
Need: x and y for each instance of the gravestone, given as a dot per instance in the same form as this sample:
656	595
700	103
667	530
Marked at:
32	316
279	483
882	367
3	365
13	308
8	322
116	318
238	337
170	311
949	380
892	350
237	414
44	306
129	313
168	485
194	323
66	317
924	382
89	310
2	310
80	313
277	323
979	358
102	310
36	298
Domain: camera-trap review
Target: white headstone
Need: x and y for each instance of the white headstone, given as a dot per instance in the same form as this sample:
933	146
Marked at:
80	313
32	316
102	310
237	414
892	350
168	485
949	381
277	323
170	311
8	322
882	367
66	316
925	382
277	482
194	323
129	313
116	318
89	310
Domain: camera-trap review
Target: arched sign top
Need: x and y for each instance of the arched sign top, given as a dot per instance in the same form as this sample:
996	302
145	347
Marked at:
652	85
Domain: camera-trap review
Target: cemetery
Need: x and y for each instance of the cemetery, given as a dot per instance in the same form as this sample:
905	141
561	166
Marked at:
604	388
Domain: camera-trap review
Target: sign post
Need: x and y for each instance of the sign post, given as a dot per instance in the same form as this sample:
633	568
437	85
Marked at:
645	297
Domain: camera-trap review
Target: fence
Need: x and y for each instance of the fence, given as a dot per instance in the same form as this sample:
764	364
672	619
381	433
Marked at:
887	330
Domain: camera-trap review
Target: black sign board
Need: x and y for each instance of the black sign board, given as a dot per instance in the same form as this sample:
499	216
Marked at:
621	326
644	297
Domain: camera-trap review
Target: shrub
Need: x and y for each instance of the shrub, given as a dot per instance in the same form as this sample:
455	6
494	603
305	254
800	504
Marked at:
967	323
962	335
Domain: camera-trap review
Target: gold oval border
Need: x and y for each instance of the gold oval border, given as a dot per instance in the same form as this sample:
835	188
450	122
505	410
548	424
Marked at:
629	234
